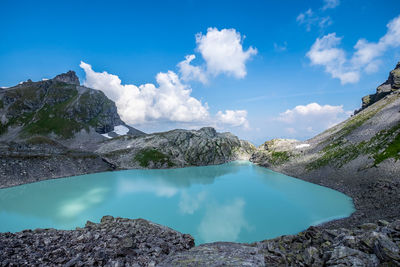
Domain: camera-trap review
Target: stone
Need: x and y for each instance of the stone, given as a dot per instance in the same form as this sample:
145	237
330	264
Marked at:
368	226
80	247
385	249
345	256
69	77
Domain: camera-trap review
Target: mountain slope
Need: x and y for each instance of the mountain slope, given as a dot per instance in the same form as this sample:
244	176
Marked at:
358	156
58	108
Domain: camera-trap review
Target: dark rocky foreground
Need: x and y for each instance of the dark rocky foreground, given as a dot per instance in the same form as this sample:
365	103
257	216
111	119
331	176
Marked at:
112	242
125	242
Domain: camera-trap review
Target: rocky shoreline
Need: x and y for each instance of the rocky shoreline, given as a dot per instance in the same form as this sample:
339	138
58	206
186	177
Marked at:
126	242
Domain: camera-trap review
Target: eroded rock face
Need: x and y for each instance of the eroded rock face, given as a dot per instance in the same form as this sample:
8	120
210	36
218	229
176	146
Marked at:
392	84
112	242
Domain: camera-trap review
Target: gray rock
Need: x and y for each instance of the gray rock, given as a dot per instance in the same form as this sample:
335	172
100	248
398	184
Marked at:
216	254
69	77
344	256
120	242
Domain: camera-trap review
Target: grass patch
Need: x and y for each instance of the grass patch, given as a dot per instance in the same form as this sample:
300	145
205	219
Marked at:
48	119
392	145
60	126
338	155
277	158
145	156
384	145
358	120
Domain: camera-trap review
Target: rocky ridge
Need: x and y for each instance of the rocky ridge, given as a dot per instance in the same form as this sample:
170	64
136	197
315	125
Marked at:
392	84
176	148
358	157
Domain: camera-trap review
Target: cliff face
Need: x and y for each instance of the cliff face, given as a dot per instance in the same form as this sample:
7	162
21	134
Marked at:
392	84
358	157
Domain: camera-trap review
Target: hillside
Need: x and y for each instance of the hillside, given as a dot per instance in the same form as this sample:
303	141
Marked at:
58	108
358	156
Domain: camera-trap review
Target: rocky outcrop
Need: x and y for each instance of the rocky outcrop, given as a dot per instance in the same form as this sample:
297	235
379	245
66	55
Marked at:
69	77
391	85
359	157
112	242
177	148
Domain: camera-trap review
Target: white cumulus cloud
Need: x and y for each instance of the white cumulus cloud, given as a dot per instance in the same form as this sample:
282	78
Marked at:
170	101
223	52
190	72
233	118
312	118
326	52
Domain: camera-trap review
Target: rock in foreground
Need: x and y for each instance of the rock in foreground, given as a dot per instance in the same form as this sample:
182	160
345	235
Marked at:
367	245
126	242
113	242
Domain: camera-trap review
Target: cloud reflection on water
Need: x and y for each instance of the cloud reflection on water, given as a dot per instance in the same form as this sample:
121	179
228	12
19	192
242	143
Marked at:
189	204
223	222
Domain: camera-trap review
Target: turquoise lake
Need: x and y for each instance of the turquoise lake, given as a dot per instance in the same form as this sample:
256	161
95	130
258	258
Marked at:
237	201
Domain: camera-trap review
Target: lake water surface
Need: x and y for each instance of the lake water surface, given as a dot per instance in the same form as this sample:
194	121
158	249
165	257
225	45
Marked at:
237	201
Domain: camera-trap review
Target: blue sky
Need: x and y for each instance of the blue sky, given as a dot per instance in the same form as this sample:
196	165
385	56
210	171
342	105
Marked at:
295	68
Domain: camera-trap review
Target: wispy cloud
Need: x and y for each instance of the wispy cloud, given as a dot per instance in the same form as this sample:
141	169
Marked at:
280	48
309	19
330	4
366	56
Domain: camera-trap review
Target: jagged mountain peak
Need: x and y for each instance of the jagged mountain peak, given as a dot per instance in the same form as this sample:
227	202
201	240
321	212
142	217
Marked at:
68	77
